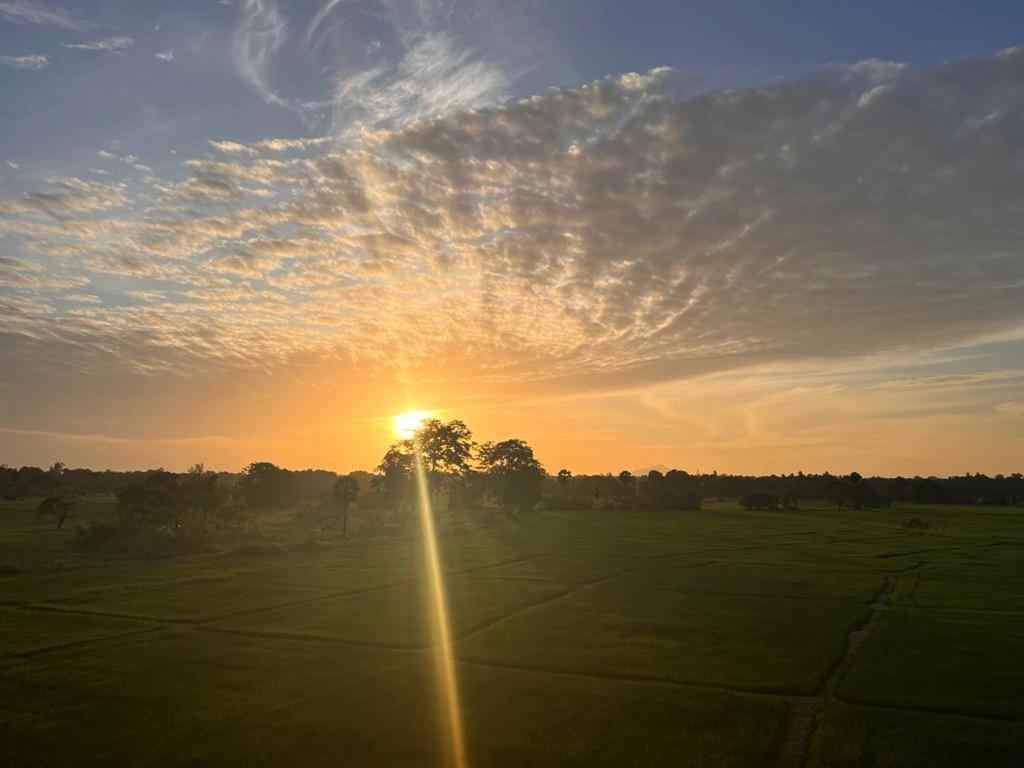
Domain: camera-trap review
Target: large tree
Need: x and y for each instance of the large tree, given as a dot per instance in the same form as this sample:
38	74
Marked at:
513	475
396	476
266	485
156	501
445	449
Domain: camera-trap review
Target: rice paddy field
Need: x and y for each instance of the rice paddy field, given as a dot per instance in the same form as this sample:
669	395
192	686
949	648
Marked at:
714	638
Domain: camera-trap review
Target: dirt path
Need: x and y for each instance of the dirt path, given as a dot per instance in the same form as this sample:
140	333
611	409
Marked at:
802	712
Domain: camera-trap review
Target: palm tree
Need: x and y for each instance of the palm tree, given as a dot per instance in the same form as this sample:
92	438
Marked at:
564	478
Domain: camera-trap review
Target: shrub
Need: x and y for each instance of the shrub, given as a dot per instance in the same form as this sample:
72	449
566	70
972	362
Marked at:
95	535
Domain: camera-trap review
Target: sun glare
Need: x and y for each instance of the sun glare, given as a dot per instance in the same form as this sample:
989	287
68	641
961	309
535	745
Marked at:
406	424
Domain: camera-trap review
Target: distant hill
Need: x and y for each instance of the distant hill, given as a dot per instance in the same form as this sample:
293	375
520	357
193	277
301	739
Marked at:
656	468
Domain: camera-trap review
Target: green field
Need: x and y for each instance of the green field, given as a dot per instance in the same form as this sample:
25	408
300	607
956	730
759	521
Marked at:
582	639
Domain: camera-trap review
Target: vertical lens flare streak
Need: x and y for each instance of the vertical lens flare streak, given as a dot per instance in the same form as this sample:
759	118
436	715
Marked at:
448	690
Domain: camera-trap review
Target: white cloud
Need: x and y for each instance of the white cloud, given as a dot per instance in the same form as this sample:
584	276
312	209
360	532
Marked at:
115	44
167	55
34	12
259	34
434	77
33	62
426	59
270	145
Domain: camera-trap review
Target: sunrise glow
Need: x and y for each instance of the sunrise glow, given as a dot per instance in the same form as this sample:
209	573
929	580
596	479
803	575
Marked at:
406	424
500	382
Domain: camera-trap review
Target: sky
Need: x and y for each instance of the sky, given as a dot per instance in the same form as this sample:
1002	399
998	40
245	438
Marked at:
752	237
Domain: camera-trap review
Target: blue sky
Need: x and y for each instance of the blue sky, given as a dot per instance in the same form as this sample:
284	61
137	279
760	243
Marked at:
757	236
129	102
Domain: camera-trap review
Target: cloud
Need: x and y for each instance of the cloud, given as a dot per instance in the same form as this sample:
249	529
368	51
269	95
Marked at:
270	145
167	55
33	12
258	36
130	159
115	44
70	196
623	232
434	77
27	275
426	58
34	61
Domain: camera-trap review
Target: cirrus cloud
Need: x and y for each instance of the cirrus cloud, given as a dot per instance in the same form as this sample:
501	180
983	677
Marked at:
35	12
115	44
31	61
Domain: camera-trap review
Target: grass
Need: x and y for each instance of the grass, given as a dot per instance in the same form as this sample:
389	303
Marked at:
775	644
582	639
852	736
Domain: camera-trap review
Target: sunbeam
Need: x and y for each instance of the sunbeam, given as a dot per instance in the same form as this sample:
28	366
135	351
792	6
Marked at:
448	690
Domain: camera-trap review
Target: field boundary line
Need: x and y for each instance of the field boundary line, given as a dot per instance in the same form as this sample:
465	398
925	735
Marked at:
476	661
50	608
200	623
75	643
43	606
581	587
312	638
924	709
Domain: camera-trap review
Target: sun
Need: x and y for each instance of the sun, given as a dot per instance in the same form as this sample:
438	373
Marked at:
406	424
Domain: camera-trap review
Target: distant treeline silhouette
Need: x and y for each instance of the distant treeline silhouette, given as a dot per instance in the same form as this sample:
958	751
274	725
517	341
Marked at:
161	512
272	486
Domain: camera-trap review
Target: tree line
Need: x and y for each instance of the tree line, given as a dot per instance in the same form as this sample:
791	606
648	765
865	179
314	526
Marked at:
263	484
678	489
167	510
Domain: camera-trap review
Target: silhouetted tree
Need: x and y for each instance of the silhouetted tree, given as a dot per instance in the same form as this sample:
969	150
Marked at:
344	495
266	485
564	479
396	476
513	475
157	501
58	506
760	500
790	500
445	448
199	489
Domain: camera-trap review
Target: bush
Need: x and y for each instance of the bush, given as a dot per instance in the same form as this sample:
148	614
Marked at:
760	500
95	535
154	541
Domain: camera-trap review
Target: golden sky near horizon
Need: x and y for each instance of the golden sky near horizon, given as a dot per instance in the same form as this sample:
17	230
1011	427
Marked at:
819	273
